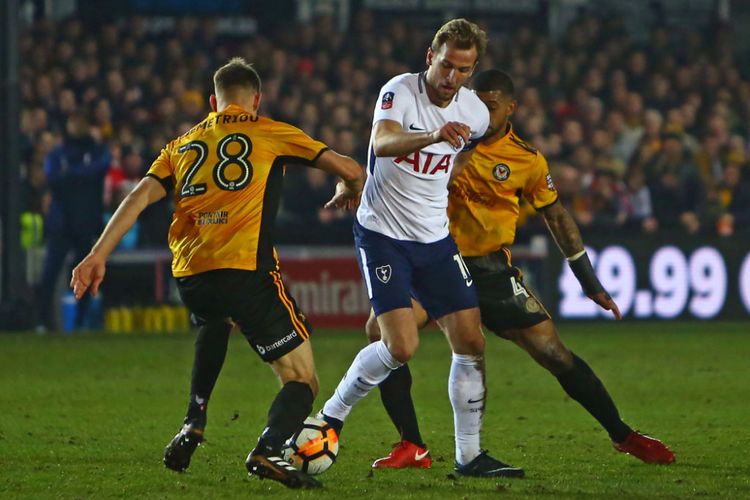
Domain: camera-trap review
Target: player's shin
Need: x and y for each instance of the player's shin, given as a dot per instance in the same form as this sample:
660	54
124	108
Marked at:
288	411
210	352
371	366
466	389
395	392
582	384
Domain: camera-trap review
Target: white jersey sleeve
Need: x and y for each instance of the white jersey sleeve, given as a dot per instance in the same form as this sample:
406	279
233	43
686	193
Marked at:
393	102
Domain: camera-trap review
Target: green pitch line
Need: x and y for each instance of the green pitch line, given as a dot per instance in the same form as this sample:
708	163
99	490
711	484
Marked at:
88	416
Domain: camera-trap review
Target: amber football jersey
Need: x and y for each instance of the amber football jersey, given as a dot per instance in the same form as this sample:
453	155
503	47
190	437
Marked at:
227	173
483	205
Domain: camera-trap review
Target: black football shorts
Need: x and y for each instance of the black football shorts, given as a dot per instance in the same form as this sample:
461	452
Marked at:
257	301
504	301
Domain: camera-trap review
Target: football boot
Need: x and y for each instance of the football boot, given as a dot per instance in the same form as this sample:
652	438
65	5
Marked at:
484	465
403	455
646	448
270	466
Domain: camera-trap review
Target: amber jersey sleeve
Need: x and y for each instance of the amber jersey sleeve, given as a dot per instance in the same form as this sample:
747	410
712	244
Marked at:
483	205
227	174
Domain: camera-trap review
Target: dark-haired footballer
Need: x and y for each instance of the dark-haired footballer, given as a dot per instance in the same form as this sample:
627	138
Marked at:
483	210
226	175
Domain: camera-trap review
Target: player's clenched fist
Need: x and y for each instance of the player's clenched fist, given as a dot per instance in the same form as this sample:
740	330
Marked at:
455	133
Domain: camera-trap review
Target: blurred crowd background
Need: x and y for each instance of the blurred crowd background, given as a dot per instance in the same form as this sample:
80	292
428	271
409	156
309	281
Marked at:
645	136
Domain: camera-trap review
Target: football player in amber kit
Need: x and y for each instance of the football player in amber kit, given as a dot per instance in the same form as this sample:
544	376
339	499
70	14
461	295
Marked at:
226	173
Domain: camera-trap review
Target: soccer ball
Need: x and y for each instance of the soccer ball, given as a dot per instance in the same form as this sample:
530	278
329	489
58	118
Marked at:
313	448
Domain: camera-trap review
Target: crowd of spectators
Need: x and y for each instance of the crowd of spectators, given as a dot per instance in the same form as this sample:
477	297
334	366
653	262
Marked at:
651	137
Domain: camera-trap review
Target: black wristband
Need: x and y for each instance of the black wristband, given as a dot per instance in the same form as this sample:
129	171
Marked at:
585	274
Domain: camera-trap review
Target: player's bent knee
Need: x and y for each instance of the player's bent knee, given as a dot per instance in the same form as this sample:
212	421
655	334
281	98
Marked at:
307	377
472	345
402	350
466	341
310	380
297	366
302	376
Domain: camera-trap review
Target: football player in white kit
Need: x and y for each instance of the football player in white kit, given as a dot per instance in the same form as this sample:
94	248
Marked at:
422	123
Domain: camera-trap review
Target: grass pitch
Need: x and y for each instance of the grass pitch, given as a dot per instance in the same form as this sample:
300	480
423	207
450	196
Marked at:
88	416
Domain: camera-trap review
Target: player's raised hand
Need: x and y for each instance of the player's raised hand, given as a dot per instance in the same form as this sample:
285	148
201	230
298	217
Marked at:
88	275
456	134
344	197
605	302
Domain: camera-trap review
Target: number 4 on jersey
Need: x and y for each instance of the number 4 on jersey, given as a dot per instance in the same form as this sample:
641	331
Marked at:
518	288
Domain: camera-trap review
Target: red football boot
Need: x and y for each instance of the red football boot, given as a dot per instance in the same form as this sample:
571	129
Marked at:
646	448
405	454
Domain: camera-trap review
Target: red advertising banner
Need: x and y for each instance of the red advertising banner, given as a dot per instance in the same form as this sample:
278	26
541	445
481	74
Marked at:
327	286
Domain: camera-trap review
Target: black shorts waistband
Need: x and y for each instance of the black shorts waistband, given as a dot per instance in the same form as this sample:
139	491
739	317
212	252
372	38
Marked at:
494	262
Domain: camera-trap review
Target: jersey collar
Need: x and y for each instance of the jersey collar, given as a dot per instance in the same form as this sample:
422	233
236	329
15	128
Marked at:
503	139
234	109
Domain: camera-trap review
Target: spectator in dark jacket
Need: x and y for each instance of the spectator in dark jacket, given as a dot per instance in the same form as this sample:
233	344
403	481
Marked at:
675	186
75	172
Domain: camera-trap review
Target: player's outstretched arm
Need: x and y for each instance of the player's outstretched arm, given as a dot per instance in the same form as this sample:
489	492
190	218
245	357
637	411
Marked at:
390	139
352	178
89	273
565	231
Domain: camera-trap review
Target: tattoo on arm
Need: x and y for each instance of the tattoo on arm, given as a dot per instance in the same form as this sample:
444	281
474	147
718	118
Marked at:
564	229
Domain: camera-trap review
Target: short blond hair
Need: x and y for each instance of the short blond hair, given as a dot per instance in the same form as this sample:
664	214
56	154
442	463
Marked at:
236	73
463	34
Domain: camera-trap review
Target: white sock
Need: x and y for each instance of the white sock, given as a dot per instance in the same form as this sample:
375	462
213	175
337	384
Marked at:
466	390
372	365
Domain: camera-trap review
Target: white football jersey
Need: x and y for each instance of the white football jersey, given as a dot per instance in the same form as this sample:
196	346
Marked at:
406	197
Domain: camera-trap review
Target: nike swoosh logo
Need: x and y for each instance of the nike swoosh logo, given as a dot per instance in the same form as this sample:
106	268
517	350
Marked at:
472	401
419	456
412	127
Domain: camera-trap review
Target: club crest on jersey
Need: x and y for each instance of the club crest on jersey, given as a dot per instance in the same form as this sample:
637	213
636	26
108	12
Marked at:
387	102
532	305
383	273
501	172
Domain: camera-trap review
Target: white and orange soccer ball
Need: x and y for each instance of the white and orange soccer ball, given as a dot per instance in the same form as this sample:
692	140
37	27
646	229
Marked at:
313	448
